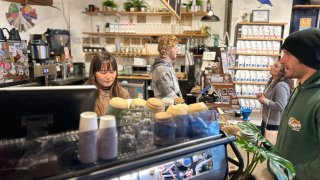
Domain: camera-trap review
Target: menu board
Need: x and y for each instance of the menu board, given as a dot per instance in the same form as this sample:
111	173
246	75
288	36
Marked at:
174	7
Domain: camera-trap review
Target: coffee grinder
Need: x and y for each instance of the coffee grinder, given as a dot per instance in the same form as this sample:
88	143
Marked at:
41	67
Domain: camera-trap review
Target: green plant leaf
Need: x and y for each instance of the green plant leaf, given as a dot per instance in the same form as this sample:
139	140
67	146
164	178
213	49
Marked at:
281	163
249	141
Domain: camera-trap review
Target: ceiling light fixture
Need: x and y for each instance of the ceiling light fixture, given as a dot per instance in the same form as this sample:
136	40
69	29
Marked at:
210	17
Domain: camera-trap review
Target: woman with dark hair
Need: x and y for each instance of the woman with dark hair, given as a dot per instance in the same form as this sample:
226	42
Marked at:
274	99
103	74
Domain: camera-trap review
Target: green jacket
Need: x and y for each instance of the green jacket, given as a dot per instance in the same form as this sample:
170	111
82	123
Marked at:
299	132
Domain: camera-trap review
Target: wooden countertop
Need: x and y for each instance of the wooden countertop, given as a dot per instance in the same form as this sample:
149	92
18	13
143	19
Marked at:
255	117
136	77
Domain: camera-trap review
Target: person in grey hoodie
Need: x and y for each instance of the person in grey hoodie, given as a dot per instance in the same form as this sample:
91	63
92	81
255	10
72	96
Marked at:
164	80
274	99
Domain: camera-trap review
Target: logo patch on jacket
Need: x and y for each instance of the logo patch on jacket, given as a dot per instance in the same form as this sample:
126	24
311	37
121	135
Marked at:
294	124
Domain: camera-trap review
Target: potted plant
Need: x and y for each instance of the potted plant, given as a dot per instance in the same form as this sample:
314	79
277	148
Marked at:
205	30
252	141
109	4
199	4
135	5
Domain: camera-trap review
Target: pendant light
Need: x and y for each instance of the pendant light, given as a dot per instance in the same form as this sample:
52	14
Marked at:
210	17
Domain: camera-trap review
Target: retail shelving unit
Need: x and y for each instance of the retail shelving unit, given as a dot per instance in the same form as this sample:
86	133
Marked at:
304	16
258	46
138	36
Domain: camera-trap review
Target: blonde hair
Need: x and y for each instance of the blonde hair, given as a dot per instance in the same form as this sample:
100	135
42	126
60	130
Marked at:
165	43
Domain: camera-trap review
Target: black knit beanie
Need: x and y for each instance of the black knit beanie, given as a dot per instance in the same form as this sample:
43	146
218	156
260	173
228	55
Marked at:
305	46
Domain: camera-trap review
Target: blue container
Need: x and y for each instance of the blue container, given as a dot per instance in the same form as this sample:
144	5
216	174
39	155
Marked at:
245	112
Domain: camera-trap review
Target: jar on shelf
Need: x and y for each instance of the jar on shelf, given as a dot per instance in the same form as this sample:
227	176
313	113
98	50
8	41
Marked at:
164	129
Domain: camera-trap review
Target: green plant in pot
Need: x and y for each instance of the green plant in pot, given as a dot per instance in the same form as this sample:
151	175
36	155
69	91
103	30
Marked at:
136	4
205	30
198	3
253	142
109	4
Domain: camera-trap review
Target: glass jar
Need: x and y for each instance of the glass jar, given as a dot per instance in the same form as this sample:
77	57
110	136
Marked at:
164	131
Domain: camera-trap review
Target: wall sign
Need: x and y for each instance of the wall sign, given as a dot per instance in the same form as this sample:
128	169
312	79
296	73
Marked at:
260	15
21	16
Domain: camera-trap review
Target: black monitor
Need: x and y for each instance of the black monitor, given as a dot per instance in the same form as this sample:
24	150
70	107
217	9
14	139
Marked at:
31	112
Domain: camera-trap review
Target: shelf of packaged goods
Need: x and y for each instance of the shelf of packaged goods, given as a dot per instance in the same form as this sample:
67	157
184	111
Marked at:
260	39
247	97
306	6
263	23
258	54
138	34
249	68
126	13
251	83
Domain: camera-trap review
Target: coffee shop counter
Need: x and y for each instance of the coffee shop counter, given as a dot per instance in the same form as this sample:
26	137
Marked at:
71	80
55	157
229	115
135	77
185	84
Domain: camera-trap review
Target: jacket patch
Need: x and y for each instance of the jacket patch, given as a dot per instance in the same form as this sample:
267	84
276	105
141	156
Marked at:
294	124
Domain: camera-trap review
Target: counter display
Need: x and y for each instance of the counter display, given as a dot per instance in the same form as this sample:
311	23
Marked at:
56	157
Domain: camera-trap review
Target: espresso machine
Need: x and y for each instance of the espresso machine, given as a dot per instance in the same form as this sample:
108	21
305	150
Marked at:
59	45
41	66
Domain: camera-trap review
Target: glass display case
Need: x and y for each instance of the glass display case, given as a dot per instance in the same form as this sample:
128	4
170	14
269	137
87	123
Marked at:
202	153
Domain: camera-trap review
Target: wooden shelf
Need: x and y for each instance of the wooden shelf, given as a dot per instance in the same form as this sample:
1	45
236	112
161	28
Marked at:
258	54
248	68
247	97
133	54
260	39
251	83
126	13
139	34
306	6
263	23
221	84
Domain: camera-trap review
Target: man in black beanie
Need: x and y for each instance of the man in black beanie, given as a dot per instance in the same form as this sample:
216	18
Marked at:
299	133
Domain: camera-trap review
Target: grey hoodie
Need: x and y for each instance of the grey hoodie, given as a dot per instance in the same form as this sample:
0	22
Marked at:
164	80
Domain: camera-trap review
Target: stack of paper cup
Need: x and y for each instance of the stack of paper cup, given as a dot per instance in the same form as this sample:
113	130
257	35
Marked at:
108	140
88	133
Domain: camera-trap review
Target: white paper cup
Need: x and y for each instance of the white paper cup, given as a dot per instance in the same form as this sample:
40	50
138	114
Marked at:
88	121
107	121
108	139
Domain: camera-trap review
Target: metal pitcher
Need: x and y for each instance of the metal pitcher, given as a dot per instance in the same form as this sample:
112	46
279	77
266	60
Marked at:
14	35
3	38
